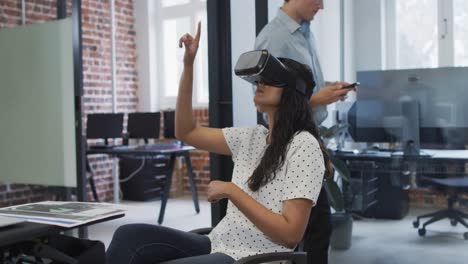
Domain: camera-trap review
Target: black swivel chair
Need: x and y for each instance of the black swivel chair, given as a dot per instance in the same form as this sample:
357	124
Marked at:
104	127
154	171
143	126
453	187
169	124
298	256
169	133
158	179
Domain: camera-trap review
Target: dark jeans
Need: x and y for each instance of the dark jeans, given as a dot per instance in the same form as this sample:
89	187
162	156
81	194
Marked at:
150	244
318	233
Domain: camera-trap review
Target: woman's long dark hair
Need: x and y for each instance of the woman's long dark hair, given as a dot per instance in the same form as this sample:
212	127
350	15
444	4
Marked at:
294	114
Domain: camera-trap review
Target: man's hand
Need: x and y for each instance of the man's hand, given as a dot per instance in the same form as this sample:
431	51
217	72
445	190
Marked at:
330	94
218	190
191	46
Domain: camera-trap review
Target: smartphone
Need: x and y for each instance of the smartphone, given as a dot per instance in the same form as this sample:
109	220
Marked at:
353	85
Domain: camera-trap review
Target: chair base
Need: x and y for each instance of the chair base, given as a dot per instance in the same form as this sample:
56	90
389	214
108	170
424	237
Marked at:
454	215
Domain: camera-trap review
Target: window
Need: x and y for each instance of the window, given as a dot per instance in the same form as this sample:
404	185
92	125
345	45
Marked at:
175	18
460	10
427	34
172	55
417	34
167	3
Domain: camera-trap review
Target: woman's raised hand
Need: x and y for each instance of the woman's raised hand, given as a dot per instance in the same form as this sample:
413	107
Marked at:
191	46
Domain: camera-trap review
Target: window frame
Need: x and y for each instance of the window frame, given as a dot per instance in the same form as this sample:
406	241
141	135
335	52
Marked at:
191	9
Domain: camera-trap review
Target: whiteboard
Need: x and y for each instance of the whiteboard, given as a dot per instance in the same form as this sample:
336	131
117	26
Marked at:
37	131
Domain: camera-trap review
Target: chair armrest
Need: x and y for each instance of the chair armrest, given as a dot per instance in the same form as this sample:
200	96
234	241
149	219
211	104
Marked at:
297	257
202	231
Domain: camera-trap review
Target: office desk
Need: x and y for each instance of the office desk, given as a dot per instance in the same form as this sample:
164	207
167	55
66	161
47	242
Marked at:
150	151
457	155
430	162
394	173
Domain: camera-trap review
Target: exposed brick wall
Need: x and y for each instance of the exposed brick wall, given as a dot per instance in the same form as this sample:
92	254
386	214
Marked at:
37	11
431	198
97	63
200	160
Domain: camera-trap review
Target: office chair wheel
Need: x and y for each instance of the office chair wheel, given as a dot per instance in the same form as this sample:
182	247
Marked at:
453	222
465	235
422	232
415	223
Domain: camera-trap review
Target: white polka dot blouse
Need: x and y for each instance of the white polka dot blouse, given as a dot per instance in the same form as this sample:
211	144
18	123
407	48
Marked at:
301	176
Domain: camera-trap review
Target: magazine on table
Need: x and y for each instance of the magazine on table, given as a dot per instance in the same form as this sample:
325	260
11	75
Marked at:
65	214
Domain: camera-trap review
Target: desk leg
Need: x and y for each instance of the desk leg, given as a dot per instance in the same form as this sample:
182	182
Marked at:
91	180
193	187
115	176
167	189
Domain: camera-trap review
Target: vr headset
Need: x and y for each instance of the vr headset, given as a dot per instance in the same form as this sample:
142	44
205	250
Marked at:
260	65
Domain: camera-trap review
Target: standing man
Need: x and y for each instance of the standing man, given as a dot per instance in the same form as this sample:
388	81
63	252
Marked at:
288	35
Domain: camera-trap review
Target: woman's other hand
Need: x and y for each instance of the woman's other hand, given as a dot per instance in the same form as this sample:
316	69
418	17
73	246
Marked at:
191	46
218	190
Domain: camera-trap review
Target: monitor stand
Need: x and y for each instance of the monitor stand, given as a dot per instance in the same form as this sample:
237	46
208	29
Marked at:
410	137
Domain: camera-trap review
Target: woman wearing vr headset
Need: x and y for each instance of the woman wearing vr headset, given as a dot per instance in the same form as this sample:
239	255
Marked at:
276	180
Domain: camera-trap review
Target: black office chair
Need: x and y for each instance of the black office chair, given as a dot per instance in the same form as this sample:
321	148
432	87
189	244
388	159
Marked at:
151	178
143	126
169	133
298	256
453	187
169	124
104	127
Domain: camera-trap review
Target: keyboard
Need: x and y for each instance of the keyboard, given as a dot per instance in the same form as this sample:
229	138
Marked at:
160	146
102	147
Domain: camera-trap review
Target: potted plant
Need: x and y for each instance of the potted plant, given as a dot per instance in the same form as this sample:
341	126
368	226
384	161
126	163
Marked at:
341	219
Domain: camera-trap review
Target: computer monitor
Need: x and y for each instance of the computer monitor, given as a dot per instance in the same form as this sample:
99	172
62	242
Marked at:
104	126
144	125
391	105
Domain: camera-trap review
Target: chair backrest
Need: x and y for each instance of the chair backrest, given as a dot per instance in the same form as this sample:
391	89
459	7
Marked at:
144	125
104	126
319	221
169	122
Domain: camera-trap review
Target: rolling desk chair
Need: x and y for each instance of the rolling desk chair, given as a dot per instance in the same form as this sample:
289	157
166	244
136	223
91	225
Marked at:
298	256
143	126
169	124
150	180
452	187
157	178
102	126
169	133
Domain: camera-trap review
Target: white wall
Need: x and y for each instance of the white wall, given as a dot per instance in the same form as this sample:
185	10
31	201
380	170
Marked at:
273	6
349	43
146	50
326	28
243	39
369	34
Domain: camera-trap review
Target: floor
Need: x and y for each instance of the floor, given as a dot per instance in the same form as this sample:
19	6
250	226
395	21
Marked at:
375	241
397	242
